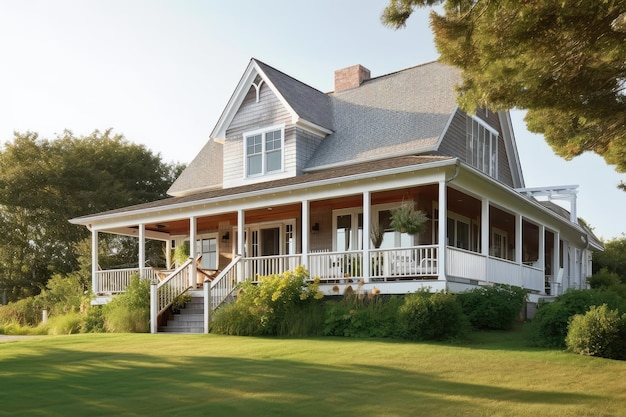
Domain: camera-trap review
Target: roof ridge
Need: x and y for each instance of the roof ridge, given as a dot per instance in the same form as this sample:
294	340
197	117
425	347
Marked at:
258	61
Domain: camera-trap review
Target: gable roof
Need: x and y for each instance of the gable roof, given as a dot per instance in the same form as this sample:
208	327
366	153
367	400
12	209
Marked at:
196	177
309	108
402	113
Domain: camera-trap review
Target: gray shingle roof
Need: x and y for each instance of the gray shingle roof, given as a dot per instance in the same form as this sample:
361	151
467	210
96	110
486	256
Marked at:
310	104
197	175
403	112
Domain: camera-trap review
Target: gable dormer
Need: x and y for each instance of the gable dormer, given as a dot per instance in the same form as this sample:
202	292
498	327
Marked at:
271	126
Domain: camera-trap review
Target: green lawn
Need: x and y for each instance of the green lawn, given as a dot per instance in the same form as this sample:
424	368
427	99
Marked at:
493	374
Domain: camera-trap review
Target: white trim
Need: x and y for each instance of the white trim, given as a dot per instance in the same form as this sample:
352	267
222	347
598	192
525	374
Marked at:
262	132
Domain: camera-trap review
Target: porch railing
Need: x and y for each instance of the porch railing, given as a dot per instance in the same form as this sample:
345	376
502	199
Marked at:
396	263
268	265
336	266
115	281
174	285
223	285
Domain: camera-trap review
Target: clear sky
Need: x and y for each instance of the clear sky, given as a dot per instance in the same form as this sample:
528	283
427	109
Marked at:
161	72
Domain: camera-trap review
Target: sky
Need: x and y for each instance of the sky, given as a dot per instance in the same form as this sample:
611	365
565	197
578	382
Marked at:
161	72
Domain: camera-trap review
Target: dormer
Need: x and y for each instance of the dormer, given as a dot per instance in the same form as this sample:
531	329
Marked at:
271	126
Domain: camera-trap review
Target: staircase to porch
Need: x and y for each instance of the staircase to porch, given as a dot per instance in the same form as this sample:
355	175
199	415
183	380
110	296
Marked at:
189	319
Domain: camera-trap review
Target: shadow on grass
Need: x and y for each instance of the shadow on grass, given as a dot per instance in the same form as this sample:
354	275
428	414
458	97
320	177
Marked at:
52	381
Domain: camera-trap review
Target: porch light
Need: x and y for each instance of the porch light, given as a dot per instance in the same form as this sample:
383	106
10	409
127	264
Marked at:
315	227
226	237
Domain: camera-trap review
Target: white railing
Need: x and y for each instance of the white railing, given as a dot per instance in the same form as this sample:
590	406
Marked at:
116	280
413	262
465	264
268	265
174	285
533	278
224	284
336	266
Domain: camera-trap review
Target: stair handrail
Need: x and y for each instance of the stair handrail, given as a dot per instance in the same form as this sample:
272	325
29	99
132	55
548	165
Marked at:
175	284
225	283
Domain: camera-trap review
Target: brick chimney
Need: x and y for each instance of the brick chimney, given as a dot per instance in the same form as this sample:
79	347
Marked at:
350	77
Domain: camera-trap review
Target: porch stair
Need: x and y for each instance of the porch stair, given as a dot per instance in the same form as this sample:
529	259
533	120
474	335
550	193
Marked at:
190	319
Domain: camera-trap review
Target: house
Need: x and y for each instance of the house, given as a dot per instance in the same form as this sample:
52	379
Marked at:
291	176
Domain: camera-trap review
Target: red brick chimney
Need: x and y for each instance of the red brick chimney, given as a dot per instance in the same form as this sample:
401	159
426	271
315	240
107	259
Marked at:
350	77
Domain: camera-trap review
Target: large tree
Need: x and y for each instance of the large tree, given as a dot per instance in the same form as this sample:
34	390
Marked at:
44	183
562	60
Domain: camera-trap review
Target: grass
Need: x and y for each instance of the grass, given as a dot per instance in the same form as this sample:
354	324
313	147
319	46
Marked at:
492	374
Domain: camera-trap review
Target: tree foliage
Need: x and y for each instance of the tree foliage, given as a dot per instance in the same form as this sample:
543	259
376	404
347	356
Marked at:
612	259
44	183
564	61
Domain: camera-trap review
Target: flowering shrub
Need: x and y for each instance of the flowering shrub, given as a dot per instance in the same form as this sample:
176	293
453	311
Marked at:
263	308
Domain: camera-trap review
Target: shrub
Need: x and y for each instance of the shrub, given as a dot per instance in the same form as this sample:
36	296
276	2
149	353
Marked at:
362	315
64	294
603	279
599	332
68	323
432	316
130	311
24	312
263	308
549	327
495	307
94	320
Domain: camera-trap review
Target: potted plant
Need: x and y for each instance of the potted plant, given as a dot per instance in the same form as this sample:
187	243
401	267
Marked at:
406	219
376	235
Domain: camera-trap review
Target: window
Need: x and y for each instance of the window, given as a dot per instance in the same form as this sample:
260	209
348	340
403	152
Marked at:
207	247
482	146
263	152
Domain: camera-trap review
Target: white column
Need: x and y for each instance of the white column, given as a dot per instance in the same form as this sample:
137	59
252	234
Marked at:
153	308
240	242
142	249
518	239
443	225
168	253
484	228
94	261
306	222
367	218
541	256
192	250
207	304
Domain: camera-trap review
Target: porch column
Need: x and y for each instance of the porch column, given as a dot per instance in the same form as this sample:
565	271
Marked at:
142	249
168	253
541	256
305	233
367	218
193	230
556	265
518	239
240	242
484	228
442	235
94	261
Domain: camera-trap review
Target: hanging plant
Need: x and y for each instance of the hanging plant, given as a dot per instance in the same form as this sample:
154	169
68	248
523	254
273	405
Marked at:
406	219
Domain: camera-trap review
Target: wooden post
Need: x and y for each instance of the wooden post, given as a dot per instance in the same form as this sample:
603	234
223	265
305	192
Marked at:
207	304
153	308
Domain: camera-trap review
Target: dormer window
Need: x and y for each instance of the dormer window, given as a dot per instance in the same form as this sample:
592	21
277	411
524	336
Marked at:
264	151
482	146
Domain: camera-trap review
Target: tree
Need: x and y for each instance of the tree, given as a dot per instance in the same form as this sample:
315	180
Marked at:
612	259
45	183
564	61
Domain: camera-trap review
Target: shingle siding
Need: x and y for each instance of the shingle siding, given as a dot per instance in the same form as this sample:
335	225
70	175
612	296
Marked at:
306	144
269	111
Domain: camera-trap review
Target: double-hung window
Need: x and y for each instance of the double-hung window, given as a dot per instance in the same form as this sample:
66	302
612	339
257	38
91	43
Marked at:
482	146
264	152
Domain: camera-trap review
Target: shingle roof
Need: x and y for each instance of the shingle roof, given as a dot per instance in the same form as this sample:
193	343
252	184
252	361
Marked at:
196	175
310	104
399	113
272	186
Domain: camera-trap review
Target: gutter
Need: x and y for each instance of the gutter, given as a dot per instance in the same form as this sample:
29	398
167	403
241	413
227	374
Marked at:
257	193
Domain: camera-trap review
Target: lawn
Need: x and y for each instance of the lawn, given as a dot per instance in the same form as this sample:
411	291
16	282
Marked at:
492	374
